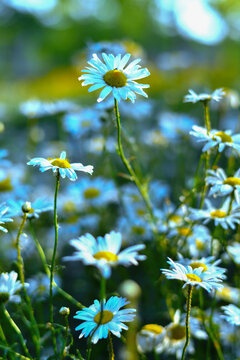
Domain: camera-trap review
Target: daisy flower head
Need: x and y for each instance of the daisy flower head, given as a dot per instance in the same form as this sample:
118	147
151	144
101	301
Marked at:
193	97
216	138
234	251
150	337
61	165
194	276
100	319
3	217
232	314
8	287
220	215
104	252
223	185
208	264
114	76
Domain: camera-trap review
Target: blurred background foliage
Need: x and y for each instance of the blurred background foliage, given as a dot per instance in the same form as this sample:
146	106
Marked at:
185	44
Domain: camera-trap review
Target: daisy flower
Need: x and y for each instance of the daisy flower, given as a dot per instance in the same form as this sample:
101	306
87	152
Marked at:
114	76
232	314
193	97
149	337
62	165
36	207
3	217
220	215
234	250
208	264
109	314
8	287
223	185
214	138
104	252
194	277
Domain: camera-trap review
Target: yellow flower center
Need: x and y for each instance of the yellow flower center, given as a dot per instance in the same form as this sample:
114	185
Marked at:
5	185
62	163
91	193
154	328
105	317
193	277
107	255
69	206
224	137
139	230
184	231
196	265
218	213
232	181
199	244
175	218
177	332
115	78
140	212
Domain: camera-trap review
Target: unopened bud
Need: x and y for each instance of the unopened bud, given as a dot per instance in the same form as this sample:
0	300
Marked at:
26	208
65	311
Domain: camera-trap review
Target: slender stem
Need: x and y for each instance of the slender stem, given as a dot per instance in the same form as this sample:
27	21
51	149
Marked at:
65	336
16	329
206	115
13	353
53	260
189	302
142	189
5	343
89	349
110	347
103	288
67	296
208	329
231	203
216	159
155	354
35	333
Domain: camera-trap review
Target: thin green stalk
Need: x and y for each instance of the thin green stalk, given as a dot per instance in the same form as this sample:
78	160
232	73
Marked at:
208	329
216	159
16	329
140	186
67	296
155	354
189	302
65	336
13	353
35	333
53	260
4	340
206	115
231	203
110	347
103	288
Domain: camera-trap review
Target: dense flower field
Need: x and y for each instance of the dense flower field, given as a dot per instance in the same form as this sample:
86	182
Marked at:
120	223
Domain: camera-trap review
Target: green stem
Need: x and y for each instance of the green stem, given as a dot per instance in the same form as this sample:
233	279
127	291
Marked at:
189	302
216	159
205	175
65	336
35	333
206	115
141	188
208	329
53	260
67	296
13	353
110	347
5	343
16	329
155	354
102	288
231	203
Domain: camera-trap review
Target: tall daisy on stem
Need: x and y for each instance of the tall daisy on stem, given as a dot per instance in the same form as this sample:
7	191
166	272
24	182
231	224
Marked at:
62	168
193	277
116	77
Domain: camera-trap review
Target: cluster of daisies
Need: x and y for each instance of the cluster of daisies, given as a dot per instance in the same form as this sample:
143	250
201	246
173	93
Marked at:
116	76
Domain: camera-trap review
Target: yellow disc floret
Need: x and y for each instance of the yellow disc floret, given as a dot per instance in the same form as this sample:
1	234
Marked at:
105	317
107	255
91	193
115	78
177	332
196	264
153	328
62	163
193	277
232	181
224	137
184	231
218	214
